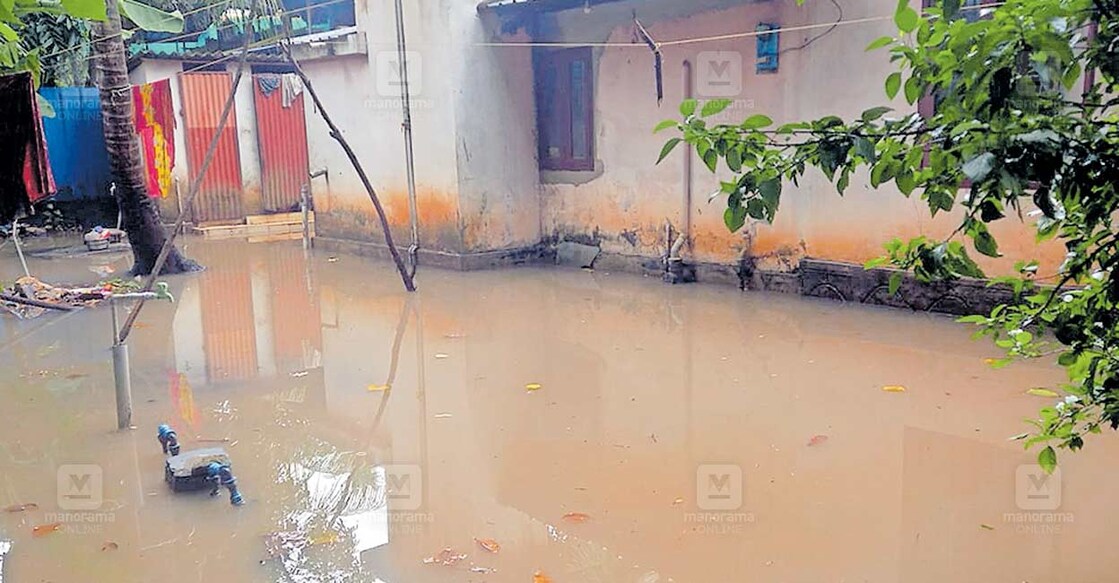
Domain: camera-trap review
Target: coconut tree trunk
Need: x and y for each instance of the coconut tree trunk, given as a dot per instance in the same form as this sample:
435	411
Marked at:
140	213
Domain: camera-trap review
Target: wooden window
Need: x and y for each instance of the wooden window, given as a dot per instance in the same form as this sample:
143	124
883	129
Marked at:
565	109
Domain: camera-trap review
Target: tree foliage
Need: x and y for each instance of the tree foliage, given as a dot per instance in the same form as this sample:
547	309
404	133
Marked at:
1017	134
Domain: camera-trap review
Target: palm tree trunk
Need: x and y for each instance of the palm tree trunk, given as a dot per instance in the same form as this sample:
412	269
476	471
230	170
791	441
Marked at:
140	213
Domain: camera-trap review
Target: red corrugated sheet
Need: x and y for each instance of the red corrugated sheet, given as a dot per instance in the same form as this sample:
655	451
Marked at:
204	96
296	323
282	136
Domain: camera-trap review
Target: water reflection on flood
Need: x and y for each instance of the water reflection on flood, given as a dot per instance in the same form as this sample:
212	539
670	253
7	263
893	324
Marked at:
677	434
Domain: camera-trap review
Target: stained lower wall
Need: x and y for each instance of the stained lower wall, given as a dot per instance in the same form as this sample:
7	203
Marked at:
625	204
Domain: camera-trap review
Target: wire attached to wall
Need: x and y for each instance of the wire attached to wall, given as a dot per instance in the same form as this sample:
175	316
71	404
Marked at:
831	29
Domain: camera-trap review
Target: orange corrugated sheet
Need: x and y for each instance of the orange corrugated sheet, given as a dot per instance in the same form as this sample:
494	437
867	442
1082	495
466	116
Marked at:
220	198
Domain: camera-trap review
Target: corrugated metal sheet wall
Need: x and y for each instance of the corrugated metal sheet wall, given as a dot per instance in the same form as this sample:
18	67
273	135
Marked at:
76	143
228	323
282	137
219	199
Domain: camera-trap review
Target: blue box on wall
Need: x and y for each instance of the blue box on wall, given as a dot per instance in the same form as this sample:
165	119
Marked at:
76	143
769	47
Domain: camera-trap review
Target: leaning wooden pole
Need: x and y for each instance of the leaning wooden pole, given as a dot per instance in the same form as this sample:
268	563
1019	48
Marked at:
409	283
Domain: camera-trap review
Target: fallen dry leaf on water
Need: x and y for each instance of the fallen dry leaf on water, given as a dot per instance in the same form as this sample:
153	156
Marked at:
576	517
990	361
533	387
817	440
75	376
540	577
677	501
377	388
986	527
1040	392
110	546
45	529
446	557
894	389
489	544
21	507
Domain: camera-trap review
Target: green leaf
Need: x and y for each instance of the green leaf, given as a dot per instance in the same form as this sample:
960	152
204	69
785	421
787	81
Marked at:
664	125
912	90
151	19
893	84
711	159
756	121
880	42
714	107
1041	392
7	33
734	160
668	147
906	18
1047	459
94	10
986	244
875	113
979	167
688	107
735	218
895	283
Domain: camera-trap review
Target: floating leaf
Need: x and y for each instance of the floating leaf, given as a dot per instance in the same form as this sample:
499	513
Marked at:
1040	392
817	440
441	356
677	501
21	507
986	527
576	517
377	388
489	544
45	529
446	557
894	389
110	546
540	577
533	387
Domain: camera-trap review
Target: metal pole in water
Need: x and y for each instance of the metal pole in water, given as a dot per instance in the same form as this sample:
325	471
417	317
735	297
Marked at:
123	379
122	375
304	206
19	247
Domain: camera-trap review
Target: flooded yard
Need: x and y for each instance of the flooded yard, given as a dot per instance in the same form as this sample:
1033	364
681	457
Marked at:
548	424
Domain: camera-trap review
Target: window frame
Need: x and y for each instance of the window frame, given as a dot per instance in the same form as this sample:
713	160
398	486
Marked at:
562	105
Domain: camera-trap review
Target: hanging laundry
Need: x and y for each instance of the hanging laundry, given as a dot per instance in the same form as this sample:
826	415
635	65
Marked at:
155	124
25	172
268	84
292	88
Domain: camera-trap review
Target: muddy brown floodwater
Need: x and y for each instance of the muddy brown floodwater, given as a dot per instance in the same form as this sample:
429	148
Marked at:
589	427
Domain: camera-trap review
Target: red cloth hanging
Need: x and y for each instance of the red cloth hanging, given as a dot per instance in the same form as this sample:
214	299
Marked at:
155	124
25	172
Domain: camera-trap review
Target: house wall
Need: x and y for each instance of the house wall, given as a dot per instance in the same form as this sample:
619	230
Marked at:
625	203
361	95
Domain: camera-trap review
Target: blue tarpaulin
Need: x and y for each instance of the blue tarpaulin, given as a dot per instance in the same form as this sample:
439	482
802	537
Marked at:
76	143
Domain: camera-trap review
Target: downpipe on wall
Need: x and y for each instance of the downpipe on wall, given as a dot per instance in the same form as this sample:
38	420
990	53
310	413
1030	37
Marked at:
676	270
409	159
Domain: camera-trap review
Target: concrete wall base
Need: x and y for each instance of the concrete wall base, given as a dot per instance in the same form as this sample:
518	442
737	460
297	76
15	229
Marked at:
833	280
